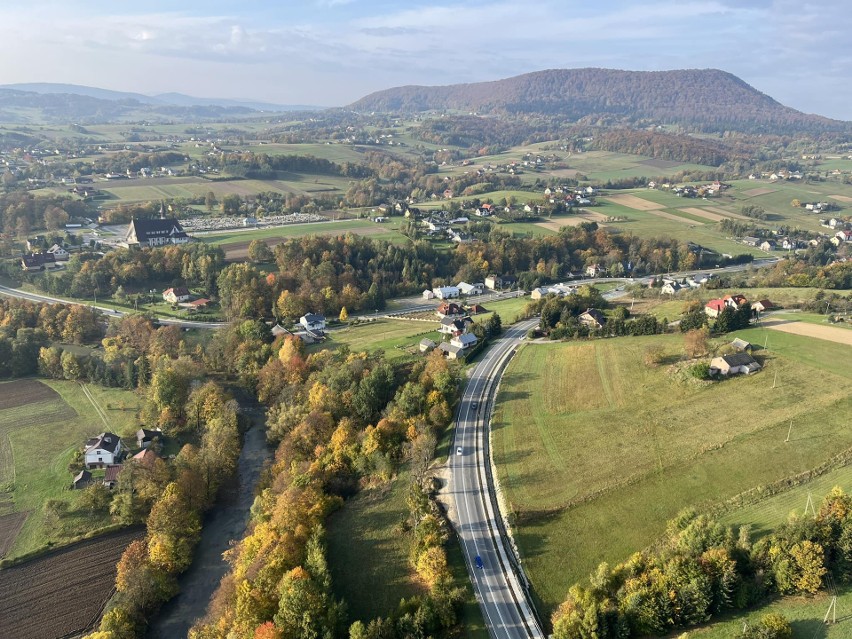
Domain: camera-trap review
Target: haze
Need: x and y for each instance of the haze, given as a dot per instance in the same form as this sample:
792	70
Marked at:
331	52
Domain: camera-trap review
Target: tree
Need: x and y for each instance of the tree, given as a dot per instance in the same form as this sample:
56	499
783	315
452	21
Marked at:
344	315
795	203
259	251
95	498
809	558
231	204
210	200
695	342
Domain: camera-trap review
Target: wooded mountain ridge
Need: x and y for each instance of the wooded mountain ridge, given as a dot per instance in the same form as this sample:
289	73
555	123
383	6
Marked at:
698	99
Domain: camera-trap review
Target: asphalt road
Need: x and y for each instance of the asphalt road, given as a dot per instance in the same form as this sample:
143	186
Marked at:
507	611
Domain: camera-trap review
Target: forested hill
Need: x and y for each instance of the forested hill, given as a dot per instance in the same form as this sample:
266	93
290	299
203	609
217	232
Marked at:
706	99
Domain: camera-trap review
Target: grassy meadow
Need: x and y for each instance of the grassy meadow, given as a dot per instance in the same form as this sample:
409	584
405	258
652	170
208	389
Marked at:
397	338
39	438
587	438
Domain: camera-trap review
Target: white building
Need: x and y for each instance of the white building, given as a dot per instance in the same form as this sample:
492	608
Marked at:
103	450
313	322
470	289
446	292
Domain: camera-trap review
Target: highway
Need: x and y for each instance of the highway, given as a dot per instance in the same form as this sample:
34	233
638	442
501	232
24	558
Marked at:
505	606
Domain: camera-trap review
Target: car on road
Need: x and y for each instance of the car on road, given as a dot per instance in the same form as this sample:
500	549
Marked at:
478	562
475	405
458	450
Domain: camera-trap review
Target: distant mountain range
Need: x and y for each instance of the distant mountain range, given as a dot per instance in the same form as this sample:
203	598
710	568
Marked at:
703	99
76	103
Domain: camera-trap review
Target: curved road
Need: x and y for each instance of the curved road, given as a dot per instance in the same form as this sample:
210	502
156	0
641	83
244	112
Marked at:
506	607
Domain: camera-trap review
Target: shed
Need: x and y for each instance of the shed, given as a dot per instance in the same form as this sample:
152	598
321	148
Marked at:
426	345
81	480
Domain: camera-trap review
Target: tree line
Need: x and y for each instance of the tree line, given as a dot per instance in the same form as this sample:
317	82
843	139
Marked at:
701	569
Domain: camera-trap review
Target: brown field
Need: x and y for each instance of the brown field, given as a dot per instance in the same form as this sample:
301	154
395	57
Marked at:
830	333
717	210
24	391
635	203
758	191
842	198
10	526
61	593
574	220
707	215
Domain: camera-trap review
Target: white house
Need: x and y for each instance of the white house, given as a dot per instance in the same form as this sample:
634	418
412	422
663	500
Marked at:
446	292
59	253
464	341
671	288
312	322
733	364
176	294
428	295
103	450
470	289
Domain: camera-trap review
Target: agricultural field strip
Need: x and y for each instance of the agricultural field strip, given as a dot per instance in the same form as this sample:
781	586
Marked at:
72	584
713	217
634	202
830	333
842	198
10	526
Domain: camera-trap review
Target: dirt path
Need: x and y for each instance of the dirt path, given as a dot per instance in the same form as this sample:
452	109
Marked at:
227	521
830	333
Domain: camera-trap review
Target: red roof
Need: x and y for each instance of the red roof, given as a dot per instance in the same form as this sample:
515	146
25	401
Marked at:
111	472
739	299
146	456
716	305
200	302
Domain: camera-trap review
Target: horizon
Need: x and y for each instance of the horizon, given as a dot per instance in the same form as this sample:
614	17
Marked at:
330	53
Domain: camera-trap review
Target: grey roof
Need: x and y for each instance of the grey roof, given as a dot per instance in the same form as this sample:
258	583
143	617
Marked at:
83	475
427	342
740	344
145	230
738	359
312	318
147	434
450	348
105	441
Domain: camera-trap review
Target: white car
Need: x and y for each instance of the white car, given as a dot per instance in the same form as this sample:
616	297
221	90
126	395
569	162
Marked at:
458	450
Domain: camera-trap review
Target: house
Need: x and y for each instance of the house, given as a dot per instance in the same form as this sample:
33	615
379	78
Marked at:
735	301
103	450
278	330
59	253
494	282
734	364
740	345
538	293
81	480
111	475
157	232
671	288
454	325
469	289
313	322
449	309
428	295
38	262
197	305
144	437
427	345
176	294
751	241
451	351
250	221
843	236
714	307
464	341
592	318
476	309
446	292
594	270
767	245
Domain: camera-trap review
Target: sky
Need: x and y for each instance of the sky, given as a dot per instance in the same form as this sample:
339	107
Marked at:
332	52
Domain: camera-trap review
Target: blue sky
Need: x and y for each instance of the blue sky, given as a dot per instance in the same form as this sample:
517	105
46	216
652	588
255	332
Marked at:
331	52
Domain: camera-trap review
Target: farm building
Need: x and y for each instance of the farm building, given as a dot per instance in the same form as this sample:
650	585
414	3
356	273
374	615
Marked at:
428	295
157	232
146	457
762	306
38	262
470	289
81	480
464	341
741	346
427	345
446	292
111	475
734	364
449	309
476	309
103	450
451	351
145	437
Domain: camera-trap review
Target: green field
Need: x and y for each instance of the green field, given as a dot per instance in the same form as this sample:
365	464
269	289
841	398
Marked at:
37	440
587	437
358	227
397	338
368	552
804	613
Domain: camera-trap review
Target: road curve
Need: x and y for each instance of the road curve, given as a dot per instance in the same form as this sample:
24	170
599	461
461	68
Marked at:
109	312
506	607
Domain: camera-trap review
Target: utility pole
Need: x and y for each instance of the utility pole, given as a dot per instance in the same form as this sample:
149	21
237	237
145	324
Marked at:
788	432
832	610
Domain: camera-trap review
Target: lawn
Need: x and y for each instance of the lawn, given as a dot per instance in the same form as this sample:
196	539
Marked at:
398	338
587	437
507	309
41	436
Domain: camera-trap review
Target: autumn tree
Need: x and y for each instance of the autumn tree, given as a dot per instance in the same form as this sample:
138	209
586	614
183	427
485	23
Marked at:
695	342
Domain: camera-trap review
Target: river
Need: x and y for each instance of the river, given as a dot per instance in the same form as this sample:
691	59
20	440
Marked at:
225	522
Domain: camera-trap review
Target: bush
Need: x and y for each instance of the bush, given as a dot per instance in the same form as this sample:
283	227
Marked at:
700	370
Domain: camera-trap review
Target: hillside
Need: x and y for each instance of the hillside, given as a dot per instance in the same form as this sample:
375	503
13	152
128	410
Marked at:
706	99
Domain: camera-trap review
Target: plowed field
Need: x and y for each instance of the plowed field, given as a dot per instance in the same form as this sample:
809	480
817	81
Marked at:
63	592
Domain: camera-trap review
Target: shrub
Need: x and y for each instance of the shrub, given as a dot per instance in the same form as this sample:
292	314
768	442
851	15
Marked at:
700	370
